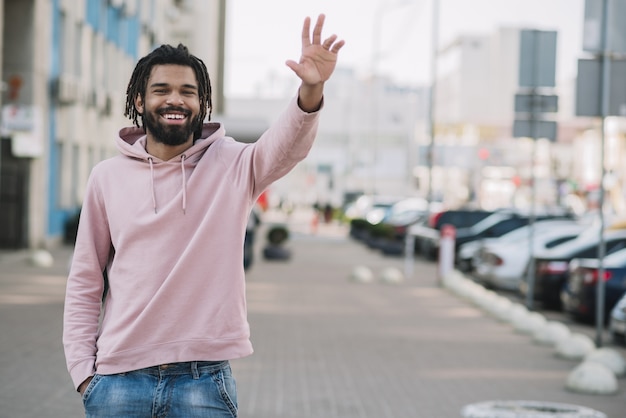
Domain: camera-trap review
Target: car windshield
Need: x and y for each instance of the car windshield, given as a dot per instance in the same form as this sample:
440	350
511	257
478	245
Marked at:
617	258
540	228
488	222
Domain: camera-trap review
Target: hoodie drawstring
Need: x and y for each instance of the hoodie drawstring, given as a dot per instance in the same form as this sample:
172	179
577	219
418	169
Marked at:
182	167
152	184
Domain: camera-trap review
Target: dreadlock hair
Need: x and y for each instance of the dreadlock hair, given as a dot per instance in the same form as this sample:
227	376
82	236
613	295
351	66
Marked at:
167	54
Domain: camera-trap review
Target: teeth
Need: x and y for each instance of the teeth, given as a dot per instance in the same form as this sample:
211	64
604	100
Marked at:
174	116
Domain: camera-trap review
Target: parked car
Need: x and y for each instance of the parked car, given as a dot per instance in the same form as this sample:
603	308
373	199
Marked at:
617	321
552	265
389	235
501	262
427	231
496	225
578	296
366	211
254	220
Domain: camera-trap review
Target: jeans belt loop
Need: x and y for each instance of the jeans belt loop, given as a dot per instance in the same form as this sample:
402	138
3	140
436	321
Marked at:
194	370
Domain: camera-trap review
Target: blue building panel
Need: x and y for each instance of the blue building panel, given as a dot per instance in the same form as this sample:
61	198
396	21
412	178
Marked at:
92	13
121	30
113	25
133	27
55	217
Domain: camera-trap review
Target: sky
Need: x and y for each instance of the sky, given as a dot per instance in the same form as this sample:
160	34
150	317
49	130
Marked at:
388	37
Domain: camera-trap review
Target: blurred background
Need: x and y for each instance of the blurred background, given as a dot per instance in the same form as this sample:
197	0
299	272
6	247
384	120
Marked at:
459	102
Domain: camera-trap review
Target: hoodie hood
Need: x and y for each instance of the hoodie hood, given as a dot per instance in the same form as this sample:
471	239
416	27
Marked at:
131	142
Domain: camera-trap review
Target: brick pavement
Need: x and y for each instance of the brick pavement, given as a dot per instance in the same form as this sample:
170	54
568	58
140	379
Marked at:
324	346
329	347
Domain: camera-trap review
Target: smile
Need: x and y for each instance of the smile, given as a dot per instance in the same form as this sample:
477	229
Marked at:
174	116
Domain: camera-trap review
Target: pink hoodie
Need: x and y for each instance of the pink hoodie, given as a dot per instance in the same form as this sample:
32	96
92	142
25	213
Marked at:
170	234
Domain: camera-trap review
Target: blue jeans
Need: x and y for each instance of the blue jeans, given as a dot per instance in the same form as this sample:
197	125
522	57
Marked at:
195	389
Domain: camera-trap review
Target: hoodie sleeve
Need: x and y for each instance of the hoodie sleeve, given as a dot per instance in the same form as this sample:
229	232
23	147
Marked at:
287	142
85	285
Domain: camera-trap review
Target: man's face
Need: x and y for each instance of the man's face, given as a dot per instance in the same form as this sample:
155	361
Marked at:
171	104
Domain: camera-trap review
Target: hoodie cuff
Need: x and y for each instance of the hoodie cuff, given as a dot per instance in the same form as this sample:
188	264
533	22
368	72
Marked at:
319	107
80	372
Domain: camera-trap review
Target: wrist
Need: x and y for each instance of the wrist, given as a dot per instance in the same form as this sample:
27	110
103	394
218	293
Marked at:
310	97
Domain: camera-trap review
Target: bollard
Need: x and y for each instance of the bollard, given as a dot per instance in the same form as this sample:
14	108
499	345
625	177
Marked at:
528	409
409	254
446	251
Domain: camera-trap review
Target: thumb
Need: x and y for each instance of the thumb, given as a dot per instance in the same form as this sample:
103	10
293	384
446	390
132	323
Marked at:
292	64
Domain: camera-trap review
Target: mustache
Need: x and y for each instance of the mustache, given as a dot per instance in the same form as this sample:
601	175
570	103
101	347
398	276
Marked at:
175	109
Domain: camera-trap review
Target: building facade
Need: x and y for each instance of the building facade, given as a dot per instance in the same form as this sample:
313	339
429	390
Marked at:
65	68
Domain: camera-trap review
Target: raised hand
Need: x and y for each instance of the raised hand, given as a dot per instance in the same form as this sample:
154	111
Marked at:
318	58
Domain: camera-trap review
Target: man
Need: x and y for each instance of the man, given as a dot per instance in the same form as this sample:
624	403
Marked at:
166	221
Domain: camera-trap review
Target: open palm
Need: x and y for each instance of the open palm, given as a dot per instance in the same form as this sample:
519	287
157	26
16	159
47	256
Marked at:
318	58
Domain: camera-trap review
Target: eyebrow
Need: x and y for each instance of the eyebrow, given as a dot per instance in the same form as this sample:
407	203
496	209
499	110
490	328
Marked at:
188	86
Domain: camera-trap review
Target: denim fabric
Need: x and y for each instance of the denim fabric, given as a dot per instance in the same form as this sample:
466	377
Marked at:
186	390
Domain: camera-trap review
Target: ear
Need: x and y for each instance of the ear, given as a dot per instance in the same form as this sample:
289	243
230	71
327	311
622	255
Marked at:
139	104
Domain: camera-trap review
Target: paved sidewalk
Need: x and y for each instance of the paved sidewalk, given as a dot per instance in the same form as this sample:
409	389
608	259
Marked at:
34	381
325	346
330	347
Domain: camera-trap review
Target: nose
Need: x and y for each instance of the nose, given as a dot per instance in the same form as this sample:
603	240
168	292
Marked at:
174	98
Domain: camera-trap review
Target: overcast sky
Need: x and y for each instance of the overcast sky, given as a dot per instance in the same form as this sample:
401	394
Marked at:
263	34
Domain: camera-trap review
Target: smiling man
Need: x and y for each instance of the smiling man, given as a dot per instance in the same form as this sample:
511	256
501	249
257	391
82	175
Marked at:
170	109
165	220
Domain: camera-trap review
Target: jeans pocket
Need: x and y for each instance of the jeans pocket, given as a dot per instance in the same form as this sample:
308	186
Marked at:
227	388
90	387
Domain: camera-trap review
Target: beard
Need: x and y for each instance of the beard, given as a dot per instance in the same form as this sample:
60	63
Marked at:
170	135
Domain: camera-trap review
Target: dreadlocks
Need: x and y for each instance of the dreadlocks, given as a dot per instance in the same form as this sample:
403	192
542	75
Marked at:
167	54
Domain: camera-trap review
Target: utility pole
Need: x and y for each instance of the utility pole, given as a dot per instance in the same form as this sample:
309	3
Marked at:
604	111
431	100
533	103
605	38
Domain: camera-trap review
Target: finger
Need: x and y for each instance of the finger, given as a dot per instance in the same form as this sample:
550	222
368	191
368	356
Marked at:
317	30
306	27
337	46
329	41
292	64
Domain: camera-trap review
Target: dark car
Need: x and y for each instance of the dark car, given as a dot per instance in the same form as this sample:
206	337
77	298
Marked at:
578	296
427	231
366	212
552	266
254	220
390	234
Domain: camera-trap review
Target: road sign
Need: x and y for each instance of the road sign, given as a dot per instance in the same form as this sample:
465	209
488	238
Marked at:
536	103
537	65
588	88
592	30
535	128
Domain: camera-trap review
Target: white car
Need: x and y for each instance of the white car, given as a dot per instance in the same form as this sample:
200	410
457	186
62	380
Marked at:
468	255
617	321
501	263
